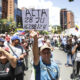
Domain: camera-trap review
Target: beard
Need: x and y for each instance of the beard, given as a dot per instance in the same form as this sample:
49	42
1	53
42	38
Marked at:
16	44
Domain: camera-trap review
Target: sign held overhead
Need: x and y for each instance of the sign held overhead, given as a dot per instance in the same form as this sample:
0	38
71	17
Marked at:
37	19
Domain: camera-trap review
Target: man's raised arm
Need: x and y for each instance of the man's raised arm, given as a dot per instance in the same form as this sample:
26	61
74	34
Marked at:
35	47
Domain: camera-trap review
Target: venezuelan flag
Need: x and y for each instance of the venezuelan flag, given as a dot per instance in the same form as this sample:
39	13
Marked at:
77	27
22	32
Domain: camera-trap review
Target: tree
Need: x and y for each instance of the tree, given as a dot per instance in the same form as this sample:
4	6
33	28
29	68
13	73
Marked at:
44	32
3	25
57	29
6	26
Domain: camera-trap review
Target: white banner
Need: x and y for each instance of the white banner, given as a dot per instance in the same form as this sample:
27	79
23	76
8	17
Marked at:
37	19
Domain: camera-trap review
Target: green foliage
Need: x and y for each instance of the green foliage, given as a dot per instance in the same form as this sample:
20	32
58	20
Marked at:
44	32
3	25
57	29
6	26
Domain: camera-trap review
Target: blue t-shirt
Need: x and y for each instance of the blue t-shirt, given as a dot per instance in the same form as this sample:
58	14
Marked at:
42	69
37	71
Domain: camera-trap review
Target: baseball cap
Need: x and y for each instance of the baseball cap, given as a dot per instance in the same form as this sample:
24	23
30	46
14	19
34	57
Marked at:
15	37
2	40
44	47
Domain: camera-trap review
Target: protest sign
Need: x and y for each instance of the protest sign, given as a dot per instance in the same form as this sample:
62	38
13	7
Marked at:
37	19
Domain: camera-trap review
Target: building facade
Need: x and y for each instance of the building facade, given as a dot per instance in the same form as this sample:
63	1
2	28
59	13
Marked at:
70	20
8	9
66	19
12	9
19	18
63	18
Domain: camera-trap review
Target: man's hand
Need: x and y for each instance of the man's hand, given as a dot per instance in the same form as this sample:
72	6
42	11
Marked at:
22	56
33	33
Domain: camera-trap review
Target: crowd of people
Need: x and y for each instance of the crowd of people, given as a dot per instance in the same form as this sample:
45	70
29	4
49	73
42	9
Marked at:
14	51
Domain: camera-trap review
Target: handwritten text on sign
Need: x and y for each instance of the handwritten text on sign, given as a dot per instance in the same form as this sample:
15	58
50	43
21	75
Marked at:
35	19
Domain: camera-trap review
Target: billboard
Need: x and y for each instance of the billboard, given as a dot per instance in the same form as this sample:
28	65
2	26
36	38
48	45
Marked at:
37	19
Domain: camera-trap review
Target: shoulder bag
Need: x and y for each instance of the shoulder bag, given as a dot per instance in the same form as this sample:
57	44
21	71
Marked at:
20	65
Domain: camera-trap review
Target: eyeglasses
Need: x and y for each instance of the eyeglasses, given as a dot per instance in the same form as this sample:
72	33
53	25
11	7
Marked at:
46	52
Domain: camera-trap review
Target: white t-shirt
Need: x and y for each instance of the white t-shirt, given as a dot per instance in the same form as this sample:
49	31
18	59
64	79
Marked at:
18	50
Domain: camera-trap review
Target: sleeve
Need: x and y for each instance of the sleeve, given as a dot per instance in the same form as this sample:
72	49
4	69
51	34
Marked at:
37	67
37	71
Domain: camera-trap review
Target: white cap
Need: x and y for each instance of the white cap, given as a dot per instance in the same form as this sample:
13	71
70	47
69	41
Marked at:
44	47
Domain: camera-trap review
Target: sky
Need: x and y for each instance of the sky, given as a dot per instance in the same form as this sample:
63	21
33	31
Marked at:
54	7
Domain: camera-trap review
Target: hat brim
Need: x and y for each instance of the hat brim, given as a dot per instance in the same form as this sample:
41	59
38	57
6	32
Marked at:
45	47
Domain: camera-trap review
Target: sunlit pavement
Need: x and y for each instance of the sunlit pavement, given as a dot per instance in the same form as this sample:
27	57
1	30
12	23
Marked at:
61	57
28	73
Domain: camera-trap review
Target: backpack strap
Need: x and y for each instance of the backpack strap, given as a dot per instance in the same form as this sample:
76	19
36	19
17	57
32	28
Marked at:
12	51
49	74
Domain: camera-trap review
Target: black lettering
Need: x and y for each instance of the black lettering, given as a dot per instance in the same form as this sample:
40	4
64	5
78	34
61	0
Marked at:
26	26
27	19
42	20
30	26
37	20
44	26
27	12
34	26
33	12
31	19
38	12
39	26
43	12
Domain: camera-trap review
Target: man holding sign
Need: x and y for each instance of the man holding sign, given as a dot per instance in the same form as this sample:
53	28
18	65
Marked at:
45	68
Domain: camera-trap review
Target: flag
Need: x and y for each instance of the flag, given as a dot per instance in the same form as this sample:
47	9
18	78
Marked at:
77	27
22	33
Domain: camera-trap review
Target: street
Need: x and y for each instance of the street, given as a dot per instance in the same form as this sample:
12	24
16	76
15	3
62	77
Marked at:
27	75
60	57
27	23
